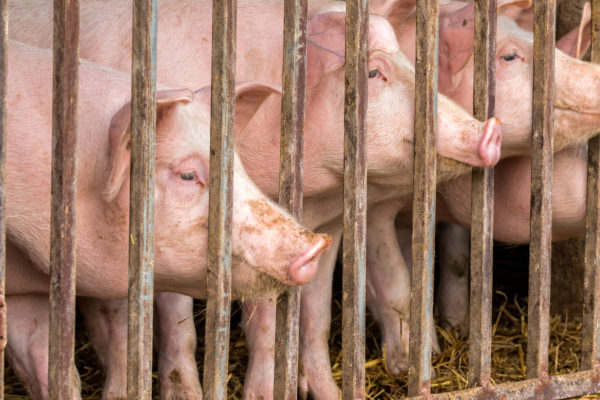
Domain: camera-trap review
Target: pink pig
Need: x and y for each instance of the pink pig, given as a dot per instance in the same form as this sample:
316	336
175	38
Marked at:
576	116
105	38
269	248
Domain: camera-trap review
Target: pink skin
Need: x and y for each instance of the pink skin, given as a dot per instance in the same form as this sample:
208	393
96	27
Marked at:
390	133
512	181
265	241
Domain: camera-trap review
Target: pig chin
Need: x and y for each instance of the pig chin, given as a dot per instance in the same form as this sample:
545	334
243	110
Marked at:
448	169
574	127
249	282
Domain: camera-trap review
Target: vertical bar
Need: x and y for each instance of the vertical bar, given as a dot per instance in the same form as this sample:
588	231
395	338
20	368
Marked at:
421	304
482	200
62	216
541	189
590	345
3	83
355	197
218	306
290	187
141	212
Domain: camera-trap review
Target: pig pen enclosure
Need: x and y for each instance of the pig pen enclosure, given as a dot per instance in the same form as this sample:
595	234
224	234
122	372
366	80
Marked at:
535	369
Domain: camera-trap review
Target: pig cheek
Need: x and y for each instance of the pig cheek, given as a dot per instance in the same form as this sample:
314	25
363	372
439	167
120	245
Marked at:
390	134
182	224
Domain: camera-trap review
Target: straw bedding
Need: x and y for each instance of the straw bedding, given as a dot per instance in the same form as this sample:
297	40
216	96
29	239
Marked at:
508	348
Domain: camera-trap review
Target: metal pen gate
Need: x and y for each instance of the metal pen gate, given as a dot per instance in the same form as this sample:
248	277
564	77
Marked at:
62	291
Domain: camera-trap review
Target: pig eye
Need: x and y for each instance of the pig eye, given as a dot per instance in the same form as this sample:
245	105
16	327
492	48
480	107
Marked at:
188	176
509	57
373	73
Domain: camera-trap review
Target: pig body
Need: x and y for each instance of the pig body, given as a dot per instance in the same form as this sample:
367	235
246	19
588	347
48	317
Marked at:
512	182
263	234
389	120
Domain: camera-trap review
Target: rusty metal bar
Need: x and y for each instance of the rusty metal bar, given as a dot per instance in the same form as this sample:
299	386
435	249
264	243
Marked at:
141	212
3	83
355	200
590	345
290	187
541	189
552	388
421	303
61	374
218	305
482	200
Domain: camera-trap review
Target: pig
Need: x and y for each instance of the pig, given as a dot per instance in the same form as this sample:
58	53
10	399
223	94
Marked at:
512	174
270	249
105	34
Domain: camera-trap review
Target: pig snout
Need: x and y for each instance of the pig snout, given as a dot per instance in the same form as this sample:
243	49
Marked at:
491	140
304	267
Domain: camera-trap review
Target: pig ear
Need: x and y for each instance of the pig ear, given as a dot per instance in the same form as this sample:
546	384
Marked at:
456	40
512	8
396	11
326	42
249	96
576	42
120	136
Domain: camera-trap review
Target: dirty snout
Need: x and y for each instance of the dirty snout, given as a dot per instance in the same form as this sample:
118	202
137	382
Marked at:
270	241
491	140
465	139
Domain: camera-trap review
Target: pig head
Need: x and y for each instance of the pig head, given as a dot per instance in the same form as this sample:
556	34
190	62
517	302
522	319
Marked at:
576	102
268	246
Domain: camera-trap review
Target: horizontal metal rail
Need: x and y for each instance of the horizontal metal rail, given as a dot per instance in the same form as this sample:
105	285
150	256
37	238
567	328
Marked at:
551	388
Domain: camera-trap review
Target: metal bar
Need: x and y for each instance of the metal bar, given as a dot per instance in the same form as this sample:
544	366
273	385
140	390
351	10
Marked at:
3	83
61	372
590	345
290	187
355	200
218	305
541	189
553	388
421	304
482	200
141	213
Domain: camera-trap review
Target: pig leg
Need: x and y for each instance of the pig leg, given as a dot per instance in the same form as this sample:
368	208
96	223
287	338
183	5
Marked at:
176	337
314	365
176	340
106	321
404	236
315	319
28	328
258	322
452	295
27	348
388	285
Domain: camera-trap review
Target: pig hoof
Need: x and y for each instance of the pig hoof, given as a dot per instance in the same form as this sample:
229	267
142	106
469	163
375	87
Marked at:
319	385
181	386
395	362
252	391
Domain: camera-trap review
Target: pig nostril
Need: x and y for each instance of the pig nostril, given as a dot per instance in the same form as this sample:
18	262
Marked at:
303	268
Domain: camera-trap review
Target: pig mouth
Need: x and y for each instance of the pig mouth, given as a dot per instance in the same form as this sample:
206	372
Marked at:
250	281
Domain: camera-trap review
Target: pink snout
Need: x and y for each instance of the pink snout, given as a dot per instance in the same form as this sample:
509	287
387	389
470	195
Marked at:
304	268
489	147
